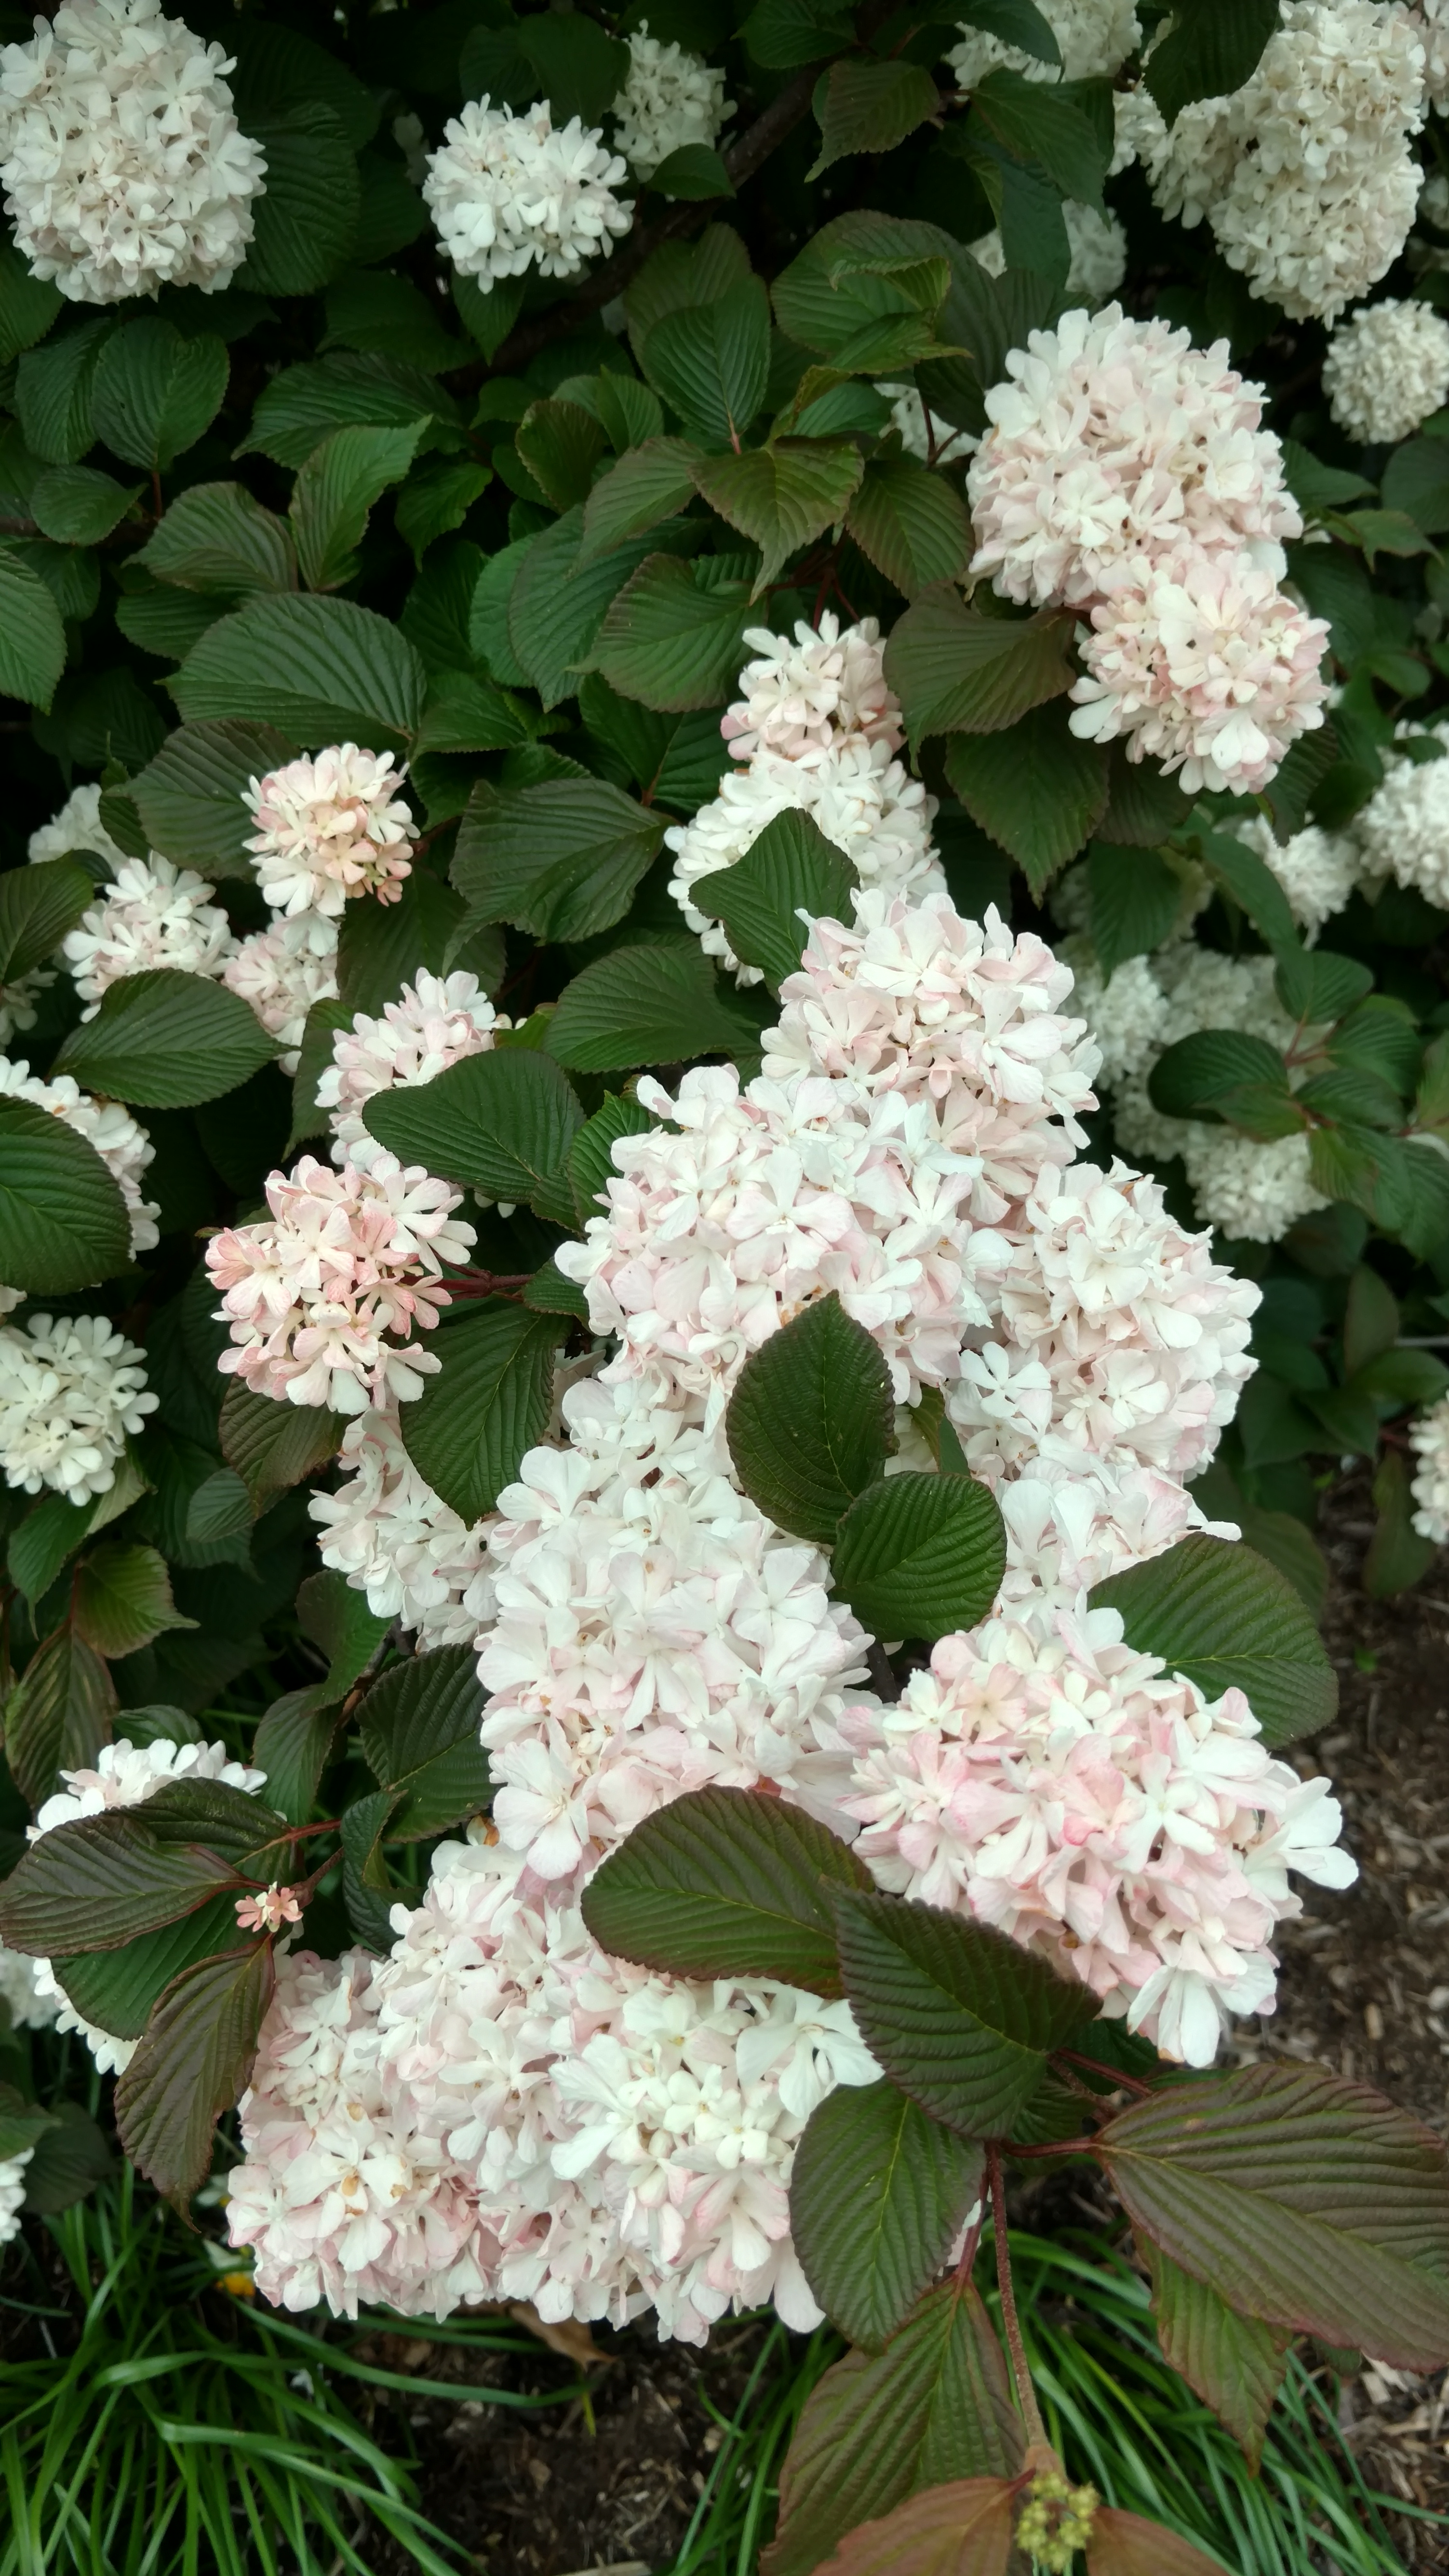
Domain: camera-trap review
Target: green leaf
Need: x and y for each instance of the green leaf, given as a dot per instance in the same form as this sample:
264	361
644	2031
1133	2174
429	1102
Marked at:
1301	2199
955	671
591	1155
293	1743
192	2063
77	506
561	859
561	443
920	1555
556	605
1196	1073
38	905
576	64
870	107
165	622
53	388
501	1122
783	34
1208	51
965	2527
419	1731
48	1536
726	1883
693	173
933	2408
670	639
1398	1554
1036	789
437	498
490	1401
63	1221
1251	883
155	393
369	308
1235	2364
1318	986
878	2196
303	403
306	216
68	2163
1218	1613
28	305
215	537
1016	22
960	2017
1144	807
334	494
651	482
190	797
1416	481
1134	898
912	524
789	868
276	65
1032	121
812	1420
323	670
122	1598
783	496
108	1877
381	945
165	1040
32	638
340	1622
711	361
648	1004
59	1714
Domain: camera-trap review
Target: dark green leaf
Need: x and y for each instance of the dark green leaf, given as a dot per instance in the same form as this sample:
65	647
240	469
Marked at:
1208	51
501	1122
63	1221
32	637
166	1040
292	1744
955	671
591	1155
878	2195
870	107
334	493
192	2063
109	1878
788	869
68	2162
650	483
78	506
711	361
38	905
155	392
1215	1611
1134	899
1192	1075
1036	789
783	496
648	1004
912	524
812	1420
693	172
1398	1554
671	640
1235	2364
419	1730
560	443
323	670
920	1555
122	1598
190	795
467	1432
342	1623
306	216
726	1883
561	860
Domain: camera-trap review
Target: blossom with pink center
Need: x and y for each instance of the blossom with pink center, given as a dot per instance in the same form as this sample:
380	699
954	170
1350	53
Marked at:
322	1295
269	1909
330	826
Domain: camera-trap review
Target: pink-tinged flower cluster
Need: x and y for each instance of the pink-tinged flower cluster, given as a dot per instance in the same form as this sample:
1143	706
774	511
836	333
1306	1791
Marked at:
330	826
1202	663
817	731
498	2110
1117	1334
281	972
152	915
397	1541
654	1633
434	1023
1126	474
323	1295
1047	1780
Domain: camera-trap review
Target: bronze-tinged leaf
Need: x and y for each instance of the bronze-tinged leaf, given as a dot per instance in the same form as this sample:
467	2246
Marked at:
193	2062
60	1713
1123	2544
963	2529
1235	2363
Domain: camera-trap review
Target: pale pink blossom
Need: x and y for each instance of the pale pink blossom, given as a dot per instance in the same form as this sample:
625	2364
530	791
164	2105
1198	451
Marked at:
330	825
799	698
281	972
269	1909
435	1022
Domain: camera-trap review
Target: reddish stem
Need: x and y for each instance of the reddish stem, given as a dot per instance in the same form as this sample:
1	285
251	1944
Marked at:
1020	2370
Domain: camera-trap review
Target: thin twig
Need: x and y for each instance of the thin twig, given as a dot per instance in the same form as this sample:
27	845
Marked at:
1031	2415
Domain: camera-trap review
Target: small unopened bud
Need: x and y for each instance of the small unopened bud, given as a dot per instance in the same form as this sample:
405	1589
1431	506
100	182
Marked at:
1056	2521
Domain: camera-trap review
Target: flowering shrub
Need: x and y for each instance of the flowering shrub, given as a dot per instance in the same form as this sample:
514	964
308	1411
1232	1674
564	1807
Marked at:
725	1084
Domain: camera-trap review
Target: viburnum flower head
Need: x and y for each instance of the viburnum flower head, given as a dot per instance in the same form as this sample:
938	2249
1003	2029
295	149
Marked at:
77	826
435	1022
1094	39
1113	440
670	99
1046	1779
510	192
153	915
1387	368
1403	830
281	972
398	1542
1317	870
330	826
108	1126
323	1294
70	1390
120	157
800	696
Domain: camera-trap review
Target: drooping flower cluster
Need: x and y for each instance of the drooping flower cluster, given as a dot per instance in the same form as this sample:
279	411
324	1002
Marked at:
1125	473
1094	39
323	1297
120	158
70	1390
12	2192
510	192
151	915
670	99
1387	368
123	1775
123	1146
1429	1440
817	732
1306	174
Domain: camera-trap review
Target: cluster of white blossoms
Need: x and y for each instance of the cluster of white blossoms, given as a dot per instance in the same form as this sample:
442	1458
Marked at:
1403	830
508	193
123	1775
435	1022
1387	368
817	731
1094	39
670	99
1306	174
121	161
1126	474
1429	1439
12	2192
107	1125
70	1389
152	914
498	2110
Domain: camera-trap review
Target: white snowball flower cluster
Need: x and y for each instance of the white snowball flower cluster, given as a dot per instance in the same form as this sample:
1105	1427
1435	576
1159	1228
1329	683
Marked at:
1094	39
1128	1012
817	732
329	827
670	98
12	2192
152	915
1126	474
397	1542
1430	22
1403	830
28	2009
1387	368
70	1390
510	192
77	826
281	972
123	1775
121	160
1317	870
1429	1440
1306	174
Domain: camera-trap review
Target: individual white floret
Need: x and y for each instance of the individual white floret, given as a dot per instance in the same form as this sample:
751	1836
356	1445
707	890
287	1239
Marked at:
1403	830
510	192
